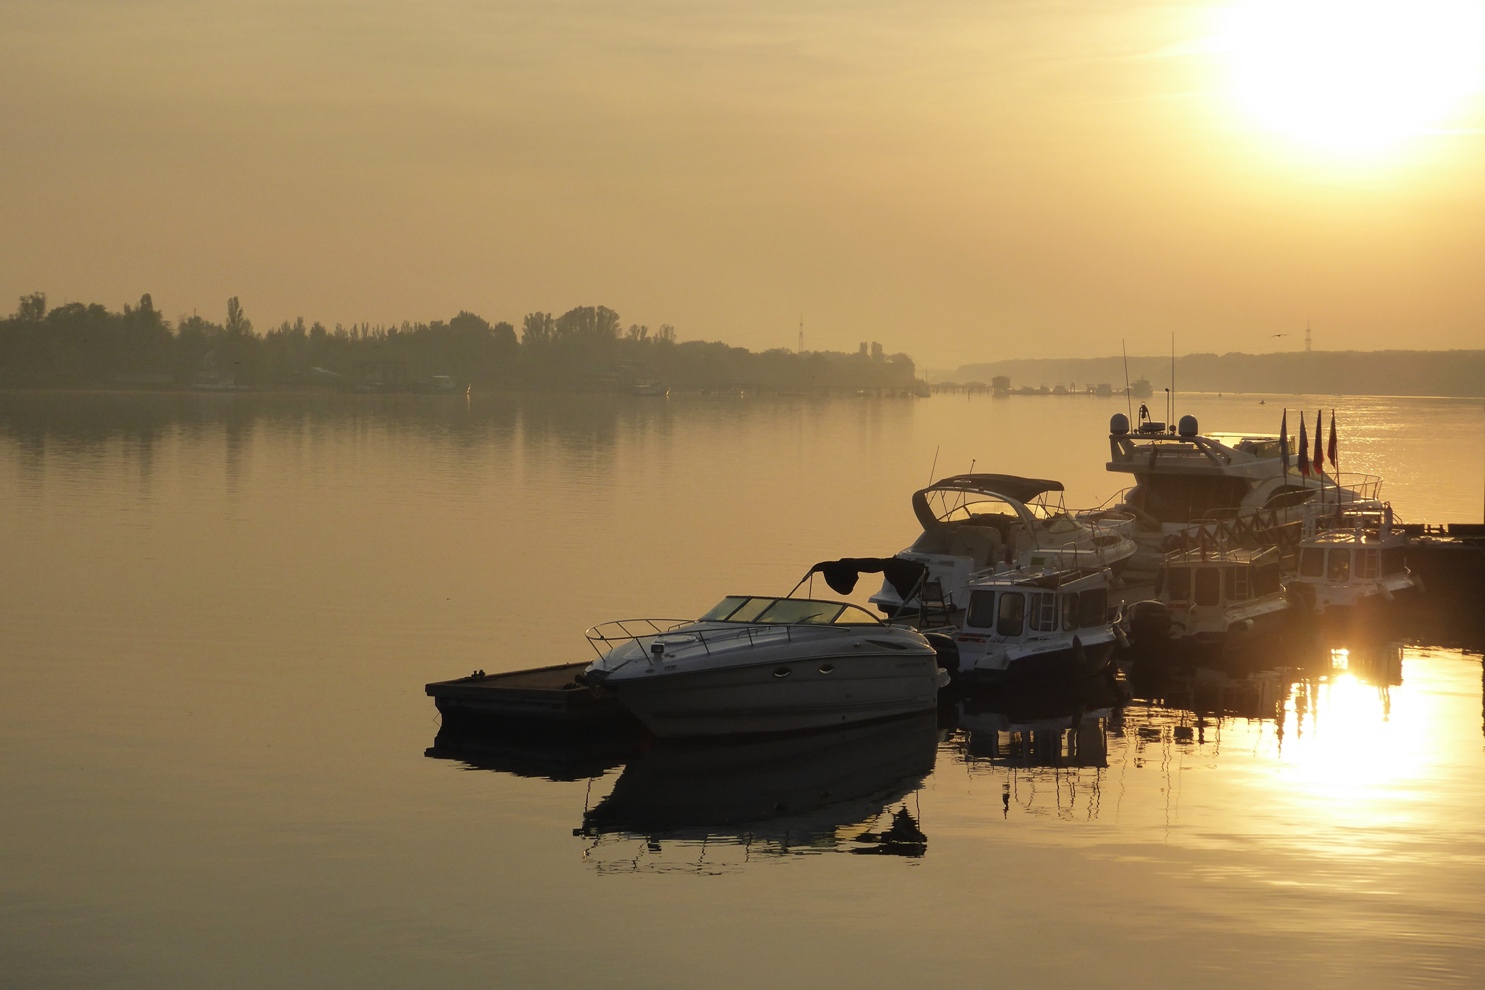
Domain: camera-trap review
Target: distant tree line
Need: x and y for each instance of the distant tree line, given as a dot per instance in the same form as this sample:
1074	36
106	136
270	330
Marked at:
1449	373
586	348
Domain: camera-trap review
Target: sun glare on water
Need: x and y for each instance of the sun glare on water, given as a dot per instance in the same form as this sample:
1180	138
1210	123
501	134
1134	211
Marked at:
1356	75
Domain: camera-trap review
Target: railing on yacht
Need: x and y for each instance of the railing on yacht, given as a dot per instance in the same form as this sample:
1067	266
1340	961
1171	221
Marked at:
605	636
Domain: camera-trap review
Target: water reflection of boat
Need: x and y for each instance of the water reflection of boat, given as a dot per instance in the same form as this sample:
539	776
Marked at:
526	750
794	791
1053	728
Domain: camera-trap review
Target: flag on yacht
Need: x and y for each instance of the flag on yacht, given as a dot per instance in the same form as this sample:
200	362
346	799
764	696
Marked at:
1319	454
1284	442
1335	465
1304	448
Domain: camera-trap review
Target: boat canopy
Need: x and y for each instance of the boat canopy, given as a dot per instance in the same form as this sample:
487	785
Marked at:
1006	486
841	575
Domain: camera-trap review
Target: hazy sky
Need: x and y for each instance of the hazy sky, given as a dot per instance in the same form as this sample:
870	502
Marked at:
963	181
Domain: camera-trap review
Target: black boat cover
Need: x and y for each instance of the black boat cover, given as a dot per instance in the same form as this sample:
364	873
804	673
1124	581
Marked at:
841	575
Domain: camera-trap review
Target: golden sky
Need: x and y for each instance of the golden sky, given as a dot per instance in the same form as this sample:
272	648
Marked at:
963	181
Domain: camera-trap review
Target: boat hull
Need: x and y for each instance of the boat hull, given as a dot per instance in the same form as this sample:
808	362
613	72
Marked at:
1040	669
785	696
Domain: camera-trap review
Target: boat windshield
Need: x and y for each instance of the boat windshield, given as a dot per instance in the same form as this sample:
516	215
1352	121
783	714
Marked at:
739	608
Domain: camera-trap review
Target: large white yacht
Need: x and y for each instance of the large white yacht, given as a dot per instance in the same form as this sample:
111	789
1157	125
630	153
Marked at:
974	523
770	664
1184	478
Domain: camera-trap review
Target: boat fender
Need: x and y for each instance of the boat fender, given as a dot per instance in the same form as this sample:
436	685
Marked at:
946	650
1079	657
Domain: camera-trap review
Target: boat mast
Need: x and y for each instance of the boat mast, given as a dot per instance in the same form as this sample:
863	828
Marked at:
1170	419
1128	399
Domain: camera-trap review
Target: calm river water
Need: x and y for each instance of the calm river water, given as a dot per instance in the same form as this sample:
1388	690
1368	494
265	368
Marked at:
217	614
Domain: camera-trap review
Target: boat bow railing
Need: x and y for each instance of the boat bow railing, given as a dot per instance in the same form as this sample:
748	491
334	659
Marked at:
607	635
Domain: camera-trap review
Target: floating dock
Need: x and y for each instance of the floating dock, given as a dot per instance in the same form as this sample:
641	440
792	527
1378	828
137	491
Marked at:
548	695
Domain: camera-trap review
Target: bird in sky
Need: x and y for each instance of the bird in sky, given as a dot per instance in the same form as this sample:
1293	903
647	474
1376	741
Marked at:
1278	335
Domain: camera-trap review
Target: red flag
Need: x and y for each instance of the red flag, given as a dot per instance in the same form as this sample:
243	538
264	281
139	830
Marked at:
1319	454
1304	449
1335	464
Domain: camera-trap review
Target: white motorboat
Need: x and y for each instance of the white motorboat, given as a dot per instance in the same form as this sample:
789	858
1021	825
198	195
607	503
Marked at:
1351	560
973	523
770	664
1035	625
1211	605
1185	479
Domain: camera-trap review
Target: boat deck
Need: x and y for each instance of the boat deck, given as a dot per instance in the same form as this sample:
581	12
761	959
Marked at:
547	694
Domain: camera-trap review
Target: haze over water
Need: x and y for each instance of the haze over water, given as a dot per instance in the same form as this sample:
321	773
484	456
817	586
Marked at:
217	615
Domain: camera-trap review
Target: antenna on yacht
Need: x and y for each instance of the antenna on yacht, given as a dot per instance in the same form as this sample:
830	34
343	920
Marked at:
934	466
1128	400
1172	417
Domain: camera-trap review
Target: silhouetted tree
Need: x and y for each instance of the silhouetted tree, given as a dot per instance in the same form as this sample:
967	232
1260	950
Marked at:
32	308
238	325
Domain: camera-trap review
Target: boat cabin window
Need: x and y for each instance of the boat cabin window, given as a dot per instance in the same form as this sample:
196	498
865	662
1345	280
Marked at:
1070	611
1012	614
750	609
1208	586
1338	565
794	610
1179	579
1260	448
1368	563
1093	607
855	615
1043	611
723	609
1311	562
1238	584
981	611
1182	498
1392	560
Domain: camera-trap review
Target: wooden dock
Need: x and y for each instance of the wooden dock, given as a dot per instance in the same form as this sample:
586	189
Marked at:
549	695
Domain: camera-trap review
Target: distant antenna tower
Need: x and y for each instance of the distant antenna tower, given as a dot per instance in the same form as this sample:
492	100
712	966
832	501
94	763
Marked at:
801	333
1307	336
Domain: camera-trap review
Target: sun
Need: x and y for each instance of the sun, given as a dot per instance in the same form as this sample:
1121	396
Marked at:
1355	75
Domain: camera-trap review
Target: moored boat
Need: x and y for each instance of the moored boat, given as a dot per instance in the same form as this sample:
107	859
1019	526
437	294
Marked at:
1036	626
974	523
1210	606
1352	565
756	664
1186	481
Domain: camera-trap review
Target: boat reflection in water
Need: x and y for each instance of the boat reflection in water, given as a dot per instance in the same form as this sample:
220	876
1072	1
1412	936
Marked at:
717	804
527	750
